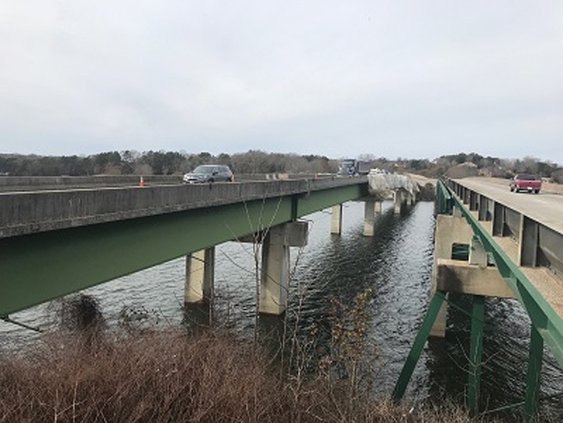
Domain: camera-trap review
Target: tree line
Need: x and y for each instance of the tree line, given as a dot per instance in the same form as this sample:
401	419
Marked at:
161	163
259	162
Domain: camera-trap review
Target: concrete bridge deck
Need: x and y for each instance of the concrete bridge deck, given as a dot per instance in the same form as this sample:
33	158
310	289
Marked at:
545	207
46	210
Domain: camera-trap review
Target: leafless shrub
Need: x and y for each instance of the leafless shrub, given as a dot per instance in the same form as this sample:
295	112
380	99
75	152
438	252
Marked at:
167	376
80	312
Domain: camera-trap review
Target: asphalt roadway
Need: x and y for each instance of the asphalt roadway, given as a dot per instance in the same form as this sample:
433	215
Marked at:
544	208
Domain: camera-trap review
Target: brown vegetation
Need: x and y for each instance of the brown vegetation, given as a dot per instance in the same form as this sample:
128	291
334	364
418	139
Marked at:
136	374
170	377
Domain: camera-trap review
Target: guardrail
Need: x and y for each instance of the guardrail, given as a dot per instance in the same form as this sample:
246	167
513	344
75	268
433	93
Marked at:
40	183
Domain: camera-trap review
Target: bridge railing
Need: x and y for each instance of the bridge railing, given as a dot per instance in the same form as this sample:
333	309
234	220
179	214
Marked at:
539	239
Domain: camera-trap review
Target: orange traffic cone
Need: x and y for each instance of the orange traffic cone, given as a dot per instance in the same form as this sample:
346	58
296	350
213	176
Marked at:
141	182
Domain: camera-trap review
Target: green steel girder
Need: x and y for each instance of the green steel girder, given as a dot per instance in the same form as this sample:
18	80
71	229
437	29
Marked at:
418	345
43	266
546	321
475	353
319	200
534	373
444	200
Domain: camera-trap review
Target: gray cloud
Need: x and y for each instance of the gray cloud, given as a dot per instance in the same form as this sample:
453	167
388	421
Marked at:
416	79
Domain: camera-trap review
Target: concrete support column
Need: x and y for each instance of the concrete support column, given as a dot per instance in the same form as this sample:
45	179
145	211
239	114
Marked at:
200	269
336	220
477	253
274	281
449	230
378	207
369	217
275	274
399	199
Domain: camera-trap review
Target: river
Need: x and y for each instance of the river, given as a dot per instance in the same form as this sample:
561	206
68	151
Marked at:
395	263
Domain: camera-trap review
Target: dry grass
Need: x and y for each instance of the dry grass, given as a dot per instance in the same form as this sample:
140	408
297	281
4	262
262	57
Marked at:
170	377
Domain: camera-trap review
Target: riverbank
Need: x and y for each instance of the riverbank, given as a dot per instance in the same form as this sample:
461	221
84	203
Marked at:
169	376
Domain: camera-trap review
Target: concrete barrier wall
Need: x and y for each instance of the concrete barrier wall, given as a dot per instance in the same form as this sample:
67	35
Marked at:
28	212
28	183
38	183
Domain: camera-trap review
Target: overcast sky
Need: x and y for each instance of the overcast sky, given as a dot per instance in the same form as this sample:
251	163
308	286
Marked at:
339	78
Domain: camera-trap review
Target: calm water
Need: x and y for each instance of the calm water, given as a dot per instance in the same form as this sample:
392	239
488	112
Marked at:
396	264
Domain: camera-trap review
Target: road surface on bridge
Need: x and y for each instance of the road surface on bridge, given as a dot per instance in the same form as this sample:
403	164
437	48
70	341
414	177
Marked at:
545	208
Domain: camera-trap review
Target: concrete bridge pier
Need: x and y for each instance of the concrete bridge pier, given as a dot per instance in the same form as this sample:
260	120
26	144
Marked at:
369	216
472	277
274	280
450	230
397	202
200	269
372	207
400	201
336	220
410	199
378	207
403	199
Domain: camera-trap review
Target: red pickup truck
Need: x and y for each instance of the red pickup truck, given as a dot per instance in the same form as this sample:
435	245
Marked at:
525	182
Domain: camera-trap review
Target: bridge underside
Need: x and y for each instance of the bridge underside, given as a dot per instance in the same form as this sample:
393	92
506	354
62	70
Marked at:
39	267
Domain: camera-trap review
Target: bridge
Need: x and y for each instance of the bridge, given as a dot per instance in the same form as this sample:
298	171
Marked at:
69	236
58	241
514	246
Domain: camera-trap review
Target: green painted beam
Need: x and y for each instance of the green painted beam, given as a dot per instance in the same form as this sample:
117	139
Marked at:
534	372
444	200
40	267
475	353
418	345
319	200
